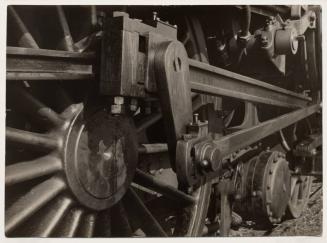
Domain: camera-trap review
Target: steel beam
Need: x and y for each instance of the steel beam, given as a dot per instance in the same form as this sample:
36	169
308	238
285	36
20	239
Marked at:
207	79
41	64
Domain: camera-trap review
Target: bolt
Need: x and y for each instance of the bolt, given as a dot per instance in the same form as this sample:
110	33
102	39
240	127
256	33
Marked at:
204	163
118	100
154	15
264	40
312	17
187	136
116	109
195	118
133	105
254	193
189	190
267	149
314	151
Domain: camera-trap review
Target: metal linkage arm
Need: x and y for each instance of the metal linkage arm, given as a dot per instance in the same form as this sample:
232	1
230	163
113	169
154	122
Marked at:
42	64
209	153
212	80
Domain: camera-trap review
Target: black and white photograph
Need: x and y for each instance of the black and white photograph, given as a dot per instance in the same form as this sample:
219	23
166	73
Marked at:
162	120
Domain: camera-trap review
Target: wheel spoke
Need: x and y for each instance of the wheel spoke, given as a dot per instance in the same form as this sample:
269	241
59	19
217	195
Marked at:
121	227
148	121
67	41
25	38
26	103
152	183
51	220
28	170
134	205
32	201
295	193
30	139
88	225
71	223
103	228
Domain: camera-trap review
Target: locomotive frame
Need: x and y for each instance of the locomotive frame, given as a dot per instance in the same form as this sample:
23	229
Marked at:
167	133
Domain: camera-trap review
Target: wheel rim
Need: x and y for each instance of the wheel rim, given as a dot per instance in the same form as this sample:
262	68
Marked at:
41	199
300	192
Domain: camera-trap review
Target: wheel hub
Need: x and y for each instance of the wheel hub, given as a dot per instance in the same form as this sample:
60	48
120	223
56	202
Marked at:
264	188
100	158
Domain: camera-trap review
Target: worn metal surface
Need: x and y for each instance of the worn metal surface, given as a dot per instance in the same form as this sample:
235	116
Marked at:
212	80
41	64
265	187
187	163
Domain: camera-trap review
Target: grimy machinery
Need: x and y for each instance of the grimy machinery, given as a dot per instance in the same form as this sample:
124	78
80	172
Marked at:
129	121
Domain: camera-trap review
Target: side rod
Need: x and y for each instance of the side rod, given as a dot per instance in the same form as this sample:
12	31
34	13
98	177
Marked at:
232	142
208	79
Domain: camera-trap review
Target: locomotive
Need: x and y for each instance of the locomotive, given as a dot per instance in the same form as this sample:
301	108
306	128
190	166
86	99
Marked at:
126	121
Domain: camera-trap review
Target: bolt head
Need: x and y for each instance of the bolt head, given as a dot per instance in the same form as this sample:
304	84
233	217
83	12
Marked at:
117	109
118	100
204	163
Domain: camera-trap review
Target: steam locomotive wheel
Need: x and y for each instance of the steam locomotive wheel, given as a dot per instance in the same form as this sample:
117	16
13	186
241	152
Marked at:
300	192
69	166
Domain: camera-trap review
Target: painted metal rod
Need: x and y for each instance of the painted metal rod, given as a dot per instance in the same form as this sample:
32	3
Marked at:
24	171
154	184
27	205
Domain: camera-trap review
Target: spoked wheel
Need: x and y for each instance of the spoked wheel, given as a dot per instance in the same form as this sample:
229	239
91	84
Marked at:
300	192
71	167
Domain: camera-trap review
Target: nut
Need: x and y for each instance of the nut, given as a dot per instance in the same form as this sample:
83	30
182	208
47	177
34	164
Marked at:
133	105
117	109
118	100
